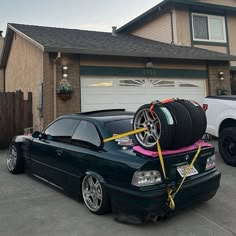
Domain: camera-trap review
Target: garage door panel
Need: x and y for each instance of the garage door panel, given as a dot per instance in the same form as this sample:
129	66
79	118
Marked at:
130	93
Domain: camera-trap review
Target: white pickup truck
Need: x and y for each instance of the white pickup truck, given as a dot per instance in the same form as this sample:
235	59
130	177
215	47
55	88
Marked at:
221	123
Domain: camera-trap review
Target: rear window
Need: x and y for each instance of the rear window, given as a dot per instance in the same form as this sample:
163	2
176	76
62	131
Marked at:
120	127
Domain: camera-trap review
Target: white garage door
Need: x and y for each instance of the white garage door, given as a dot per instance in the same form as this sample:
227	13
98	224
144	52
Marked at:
102	92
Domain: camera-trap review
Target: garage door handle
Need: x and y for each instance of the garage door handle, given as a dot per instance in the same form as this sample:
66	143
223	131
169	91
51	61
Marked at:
59	152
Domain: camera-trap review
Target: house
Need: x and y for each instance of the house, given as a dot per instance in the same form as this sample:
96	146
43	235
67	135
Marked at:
106	70
1	71
203	24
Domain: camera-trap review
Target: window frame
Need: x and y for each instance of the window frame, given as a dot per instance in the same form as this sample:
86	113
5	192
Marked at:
58	139
208	28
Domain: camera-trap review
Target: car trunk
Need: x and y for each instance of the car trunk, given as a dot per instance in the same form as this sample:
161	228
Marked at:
174	163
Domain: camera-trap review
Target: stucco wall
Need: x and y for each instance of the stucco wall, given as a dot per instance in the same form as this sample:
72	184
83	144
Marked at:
158	29
24	72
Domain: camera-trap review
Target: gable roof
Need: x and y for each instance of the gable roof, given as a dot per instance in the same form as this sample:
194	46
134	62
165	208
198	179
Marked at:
49	39
165	6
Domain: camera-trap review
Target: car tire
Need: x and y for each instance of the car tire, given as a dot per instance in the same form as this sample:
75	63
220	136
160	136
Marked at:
198	118
95	195
183	124
161	127
227	145
15	161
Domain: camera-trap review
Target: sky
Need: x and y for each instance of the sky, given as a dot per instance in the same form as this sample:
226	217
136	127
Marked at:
99	15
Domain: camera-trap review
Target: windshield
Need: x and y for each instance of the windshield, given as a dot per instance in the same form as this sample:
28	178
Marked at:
120	127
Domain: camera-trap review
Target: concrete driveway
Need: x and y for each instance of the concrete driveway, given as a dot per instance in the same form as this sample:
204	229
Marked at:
30	207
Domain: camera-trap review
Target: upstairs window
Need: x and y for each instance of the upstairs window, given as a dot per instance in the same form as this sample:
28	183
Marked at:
208	28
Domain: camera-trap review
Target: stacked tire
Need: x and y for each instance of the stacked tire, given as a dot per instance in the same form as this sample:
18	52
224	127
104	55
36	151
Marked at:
178	123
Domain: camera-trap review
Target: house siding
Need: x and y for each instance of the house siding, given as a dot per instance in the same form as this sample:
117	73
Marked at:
230	3
221	49
130	62
24	72
232	36
182	27
158	29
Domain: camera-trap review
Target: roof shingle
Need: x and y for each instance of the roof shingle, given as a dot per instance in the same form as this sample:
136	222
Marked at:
100	43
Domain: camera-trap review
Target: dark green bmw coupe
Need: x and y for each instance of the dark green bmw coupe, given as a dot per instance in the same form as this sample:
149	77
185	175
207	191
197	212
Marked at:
110	176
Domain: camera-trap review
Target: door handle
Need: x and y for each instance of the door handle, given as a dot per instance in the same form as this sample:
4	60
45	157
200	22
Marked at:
59	152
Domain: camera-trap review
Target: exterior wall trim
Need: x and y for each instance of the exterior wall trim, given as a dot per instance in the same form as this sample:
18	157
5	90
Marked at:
143	72
26	37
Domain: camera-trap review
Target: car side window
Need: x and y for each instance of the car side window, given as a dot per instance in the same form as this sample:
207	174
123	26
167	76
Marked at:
86	134
62	130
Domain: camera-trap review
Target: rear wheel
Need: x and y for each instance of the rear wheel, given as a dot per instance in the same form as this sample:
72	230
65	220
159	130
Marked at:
15	162
227	145
95	196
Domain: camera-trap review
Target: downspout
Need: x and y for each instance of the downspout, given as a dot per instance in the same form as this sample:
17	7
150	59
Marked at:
55	85
4	80
172	27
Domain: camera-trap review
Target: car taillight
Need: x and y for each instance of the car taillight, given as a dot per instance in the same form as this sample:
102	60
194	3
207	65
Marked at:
204	107
210	164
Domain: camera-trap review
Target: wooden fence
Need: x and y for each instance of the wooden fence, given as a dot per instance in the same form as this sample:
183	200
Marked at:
15	115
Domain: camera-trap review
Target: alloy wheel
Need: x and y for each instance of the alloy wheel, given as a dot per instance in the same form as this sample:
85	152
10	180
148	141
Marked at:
12	158
92	193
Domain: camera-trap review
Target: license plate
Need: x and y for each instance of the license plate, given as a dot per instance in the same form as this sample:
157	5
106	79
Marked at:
182	170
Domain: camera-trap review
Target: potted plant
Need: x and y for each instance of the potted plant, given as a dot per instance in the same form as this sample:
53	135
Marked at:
64	89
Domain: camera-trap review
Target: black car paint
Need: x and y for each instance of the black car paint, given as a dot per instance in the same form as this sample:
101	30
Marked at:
65	165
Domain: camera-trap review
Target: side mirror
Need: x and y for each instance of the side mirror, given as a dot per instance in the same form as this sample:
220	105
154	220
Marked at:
39	135
36	134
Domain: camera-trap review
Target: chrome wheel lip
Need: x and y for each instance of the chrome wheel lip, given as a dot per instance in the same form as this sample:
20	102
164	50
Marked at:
143	119
11	158
92	193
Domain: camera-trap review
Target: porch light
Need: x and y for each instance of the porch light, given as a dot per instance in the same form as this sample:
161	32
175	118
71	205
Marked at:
221	75
65	72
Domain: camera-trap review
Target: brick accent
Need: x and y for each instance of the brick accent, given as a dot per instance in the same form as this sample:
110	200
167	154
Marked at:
63	107
214	70
72	105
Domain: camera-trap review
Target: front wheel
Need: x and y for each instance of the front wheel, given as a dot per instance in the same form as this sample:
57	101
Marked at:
95	196
15	162
227	145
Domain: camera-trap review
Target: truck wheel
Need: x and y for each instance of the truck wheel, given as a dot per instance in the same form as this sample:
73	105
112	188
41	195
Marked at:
227	145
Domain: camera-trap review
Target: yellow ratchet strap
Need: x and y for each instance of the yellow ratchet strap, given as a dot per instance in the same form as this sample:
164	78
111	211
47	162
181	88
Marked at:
124	135
161	159
170	193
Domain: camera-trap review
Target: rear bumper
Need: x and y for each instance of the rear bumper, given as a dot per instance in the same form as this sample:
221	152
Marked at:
140	206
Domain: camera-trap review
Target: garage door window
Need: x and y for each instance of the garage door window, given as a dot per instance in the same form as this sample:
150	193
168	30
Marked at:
161	83
132	83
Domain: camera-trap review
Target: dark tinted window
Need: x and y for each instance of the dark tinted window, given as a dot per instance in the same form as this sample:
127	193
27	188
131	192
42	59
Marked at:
63	128
87	133
120	127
